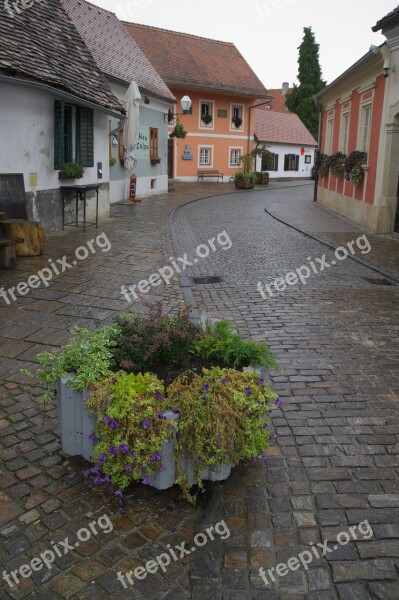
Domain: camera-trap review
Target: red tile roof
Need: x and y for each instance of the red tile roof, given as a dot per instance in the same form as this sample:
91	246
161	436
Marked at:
114	50
285	128
389	20
42	45
278	102
185	60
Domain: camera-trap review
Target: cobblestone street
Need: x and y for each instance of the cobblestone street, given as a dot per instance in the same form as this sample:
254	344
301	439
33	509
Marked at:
335	463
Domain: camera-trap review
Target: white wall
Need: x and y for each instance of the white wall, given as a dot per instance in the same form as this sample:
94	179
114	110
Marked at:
305	170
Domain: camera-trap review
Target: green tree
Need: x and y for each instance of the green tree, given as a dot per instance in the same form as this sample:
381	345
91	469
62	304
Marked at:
300	101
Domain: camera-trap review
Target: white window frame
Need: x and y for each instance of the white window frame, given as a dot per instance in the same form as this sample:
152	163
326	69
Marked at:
232	107
362	144
329	135
202	125
344	134
239	149
206	165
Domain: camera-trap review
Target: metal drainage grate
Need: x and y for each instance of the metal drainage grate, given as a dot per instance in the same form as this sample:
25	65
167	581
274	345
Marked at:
205	280
378	281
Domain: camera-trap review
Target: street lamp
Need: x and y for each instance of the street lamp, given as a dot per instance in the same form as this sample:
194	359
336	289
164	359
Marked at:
186	106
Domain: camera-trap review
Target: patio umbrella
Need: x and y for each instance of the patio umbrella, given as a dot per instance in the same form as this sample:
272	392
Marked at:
131	127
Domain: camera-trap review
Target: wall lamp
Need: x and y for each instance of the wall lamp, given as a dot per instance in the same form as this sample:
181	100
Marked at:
387	68
186	106
146	100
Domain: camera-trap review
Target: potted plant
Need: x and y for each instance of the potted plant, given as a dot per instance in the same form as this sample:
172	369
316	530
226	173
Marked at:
178	132
206	119
237	121
112	161
196	411
354	170
322	164
245	180
71	170
337	163
262	177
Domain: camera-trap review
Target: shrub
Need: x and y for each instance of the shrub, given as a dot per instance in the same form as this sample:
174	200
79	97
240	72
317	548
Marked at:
72	170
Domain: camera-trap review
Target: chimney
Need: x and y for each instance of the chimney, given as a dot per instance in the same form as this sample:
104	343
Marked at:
285	87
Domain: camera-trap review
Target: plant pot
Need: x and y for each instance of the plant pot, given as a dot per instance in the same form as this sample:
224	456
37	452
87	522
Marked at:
74	422
240	184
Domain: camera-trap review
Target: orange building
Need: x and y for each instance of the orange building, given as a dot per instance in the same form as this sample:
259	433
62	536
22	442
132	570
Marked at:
222	88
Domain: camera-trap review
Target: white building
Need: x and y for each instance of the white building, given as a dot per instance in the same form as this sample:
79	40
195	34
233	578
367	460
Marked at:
291	144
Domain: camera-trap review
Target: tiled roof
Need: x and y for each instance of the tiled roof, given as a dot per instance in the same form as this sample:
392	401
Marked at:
285	128
41	44
185	60
114	50
391	18
278	102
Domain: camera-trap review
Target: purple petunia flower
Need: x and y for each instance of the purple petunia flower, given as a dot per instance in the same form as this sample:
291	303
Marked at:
253	459
95	469
265	425
162	469
272	439
146	482
159	396
107	420
102	458
105	479
112	450
248	391
86	473
224	380
155	457
97	480
128	468
161	415
132	454
123	448
145	424
176	411
119	493
205	387
261	380
279	403
262	456
114	424
203	397
93	437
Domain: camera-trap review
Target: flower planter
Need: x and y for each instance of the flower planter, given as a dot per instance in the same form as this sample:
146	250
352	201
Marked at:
242	185
75	423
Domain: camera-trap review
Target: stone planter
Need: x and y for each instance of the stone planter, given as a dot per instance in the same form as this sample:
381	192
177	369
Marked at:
75	423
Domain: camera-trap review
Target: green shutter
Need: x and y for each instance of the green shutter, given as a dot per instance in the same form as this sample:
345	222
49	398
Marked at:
84	137
58	135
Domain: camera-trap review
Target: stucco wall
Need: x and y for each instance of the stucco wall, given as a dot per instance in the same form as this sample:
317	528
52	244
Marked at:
305	170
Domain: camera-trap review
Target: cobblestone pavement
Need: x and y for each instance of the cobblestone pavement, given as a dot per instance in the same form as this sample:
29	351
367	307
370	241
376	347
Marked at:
335	462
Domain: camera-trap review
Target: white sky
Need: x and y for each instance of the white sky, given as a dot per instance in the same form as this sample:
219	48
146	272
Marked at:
268	32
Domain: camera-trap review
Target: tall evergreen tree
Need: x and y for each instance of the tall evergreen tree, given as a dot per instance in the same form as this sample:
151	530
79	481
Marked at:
300	101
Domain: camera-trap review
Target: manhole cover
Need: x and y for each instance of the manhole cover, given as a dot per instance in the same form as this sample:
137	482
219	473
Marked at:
205	280
378	281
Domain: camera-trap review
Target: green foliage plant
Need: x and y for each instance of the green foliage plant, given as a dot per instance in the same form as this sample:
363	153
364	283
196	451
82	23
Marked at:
178	131
354	162
72	170
223	418
228	349
88	355
322	164
337	163
247	162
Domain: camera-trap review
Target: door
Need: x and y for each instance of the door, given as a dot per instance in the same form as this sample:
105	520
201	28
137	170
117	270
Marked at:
397	211
170	159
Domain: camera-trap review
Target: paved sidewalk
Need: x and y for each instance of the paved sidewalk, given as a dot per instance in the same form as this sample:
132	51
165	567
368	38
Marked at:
335	462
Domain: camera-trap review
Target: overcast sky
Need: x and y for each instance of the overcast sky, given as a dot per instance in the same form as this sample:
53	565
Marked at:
268	32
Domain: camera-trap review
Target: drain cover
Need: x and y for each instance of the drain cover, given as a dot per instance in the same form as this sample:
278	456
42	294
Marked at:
205	280
378	281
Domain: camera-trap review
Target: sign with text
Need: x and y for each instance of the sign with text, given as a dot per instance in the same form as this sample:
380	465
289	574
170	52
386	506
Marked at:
142	149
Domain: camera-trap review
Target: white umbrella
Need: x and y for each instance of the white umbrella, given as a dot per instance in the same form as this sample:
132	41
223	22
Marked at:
131	127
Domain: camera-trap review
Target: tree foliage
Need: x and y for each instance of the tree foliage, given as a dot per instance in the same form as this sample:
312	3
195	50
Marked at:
300	101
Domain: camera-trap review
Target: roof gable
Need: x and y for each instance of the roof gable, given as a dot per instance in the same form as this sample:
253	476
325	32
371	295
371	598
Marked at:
185	60
390	20
114	50
285	128
42	44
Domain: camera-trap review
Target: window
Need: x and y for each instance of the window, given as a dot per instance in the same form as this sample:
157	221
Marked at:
344	138
65	116
291	162
206	114
235	157
205	156
329	136
270	163
236	116
154	144
365	128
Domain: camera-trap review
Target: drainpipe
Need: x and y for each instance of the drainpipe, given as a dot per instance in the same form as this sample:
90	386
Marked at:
270	98
316	179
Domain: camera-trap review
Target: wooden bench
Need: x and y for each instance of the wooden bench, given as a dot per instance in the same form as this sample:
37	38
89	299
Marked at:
210	173
8	256
30	232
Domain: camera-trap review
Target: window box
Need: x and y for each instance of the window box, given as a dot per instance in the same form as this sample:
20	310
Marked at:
155	160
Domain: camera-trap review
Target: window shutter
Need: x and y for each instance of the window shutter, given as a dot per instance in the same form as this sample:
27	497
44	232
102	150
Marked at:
58	134
276	156
296	163
153	143
286	162
84	137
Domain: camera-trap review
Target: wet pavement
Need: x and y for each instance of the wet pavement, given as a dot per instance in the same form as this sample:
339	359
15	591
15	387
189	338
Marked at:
334	464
